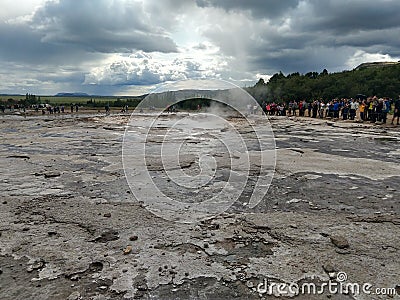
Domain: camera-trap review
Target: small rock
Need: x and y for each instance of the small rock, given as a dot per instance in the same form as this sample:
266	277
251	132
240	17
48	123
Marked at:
1	271
107	215
133	238
249	284
205	245
186	274
25	229
128	249
329	268
38	264
4	202
340	242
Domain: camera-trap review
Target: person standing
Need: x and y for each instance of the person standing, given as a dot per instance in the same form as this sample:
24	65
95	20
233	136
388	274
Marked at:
345	111
336	108
290	107
321	109
315	108
379	110
385	109
396	113
353	109
301	103
362	111
294	108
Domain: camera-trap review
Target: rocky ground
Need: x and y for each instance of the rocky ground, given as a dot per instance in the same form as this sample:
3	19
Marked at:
70	228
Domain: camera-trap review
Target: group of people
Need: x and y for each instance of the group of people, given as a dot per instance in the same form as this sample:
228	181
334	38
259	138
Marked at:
58	109
372	109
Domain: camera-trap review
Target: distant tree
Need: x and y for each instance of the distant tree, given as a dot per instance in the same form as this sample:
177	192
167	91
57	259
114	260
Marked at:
260	83
324	72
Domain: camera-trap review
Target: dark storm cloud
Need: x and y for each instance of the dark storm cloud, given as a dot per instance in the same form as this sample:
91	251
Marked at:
20	43
309	35
258	8
104	26
302	60
65	33
343	16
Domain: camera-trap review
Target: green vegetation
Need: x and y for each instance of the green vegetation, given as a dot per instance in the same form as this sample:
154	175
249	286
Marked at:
76	100
192	104
382	82
89	101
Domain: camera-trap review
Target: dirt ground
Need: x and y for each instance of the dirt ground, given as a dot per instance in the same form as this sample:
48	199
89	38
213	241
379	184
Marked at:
70	227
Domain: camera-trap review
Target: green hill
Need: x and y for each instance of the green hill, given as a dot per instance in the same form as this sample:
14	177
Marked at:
379	81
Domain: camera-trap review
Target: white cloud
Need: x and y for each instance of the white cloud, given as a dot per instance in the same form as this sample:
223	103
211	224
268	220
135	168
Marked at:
11	9
361	56
142	68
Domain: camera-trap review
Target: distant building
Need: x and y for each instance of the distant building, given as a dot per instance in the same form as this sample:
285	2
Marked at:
382	64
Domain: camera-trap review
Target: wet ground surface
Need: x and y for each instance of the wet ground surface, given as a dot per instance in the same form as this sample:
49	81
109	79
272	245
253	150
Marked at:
71	229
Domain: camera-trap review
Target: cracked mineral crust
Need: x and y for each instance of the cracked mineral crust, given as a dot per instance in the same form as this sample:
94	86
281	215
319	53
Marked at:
70	227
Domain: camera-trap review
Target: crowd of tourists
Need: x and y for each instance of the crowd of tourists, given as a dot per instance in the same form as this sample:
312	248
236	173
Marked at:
372	109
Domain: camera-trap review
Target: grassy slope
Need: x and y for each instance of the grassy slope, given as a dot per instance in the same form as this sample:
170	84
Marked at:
61	100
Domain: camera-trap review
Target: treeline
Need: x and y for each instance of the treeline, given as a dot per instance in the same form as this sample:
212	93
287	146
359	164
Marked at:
379	81
119	102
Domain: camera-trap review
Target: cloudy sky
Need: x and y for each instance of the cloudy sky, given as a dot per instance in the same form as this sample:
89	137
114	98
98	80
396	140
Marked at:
128	47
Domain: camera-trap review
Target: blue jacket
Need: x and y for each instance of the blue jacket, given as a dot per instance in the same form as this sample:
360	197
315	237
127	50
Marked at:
336	106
